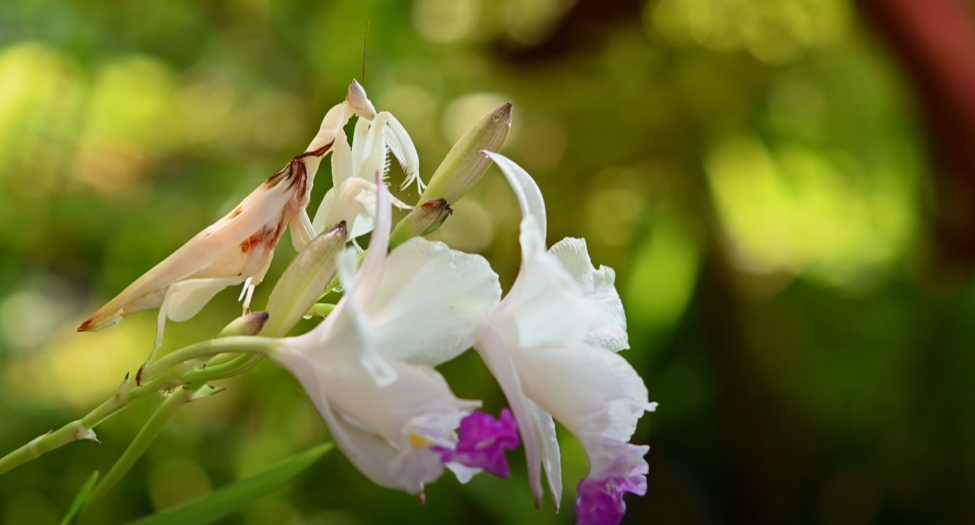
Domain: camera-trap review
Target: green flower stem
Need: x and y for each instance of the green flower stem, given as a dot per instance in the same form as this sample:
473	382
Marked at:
56	438
242	344
163	415
321	309
235	366
154	379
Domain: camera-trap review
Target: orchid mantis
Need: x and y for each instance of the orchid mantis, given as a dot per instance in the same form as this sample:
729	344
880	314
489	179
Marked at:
238	248
352	197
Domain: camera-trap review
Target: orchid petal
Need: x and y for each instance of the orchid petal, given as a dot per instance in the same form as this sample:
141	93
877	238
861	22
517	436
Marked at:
545	306
483	441
495	355
429	302
609	330
548	442
526	190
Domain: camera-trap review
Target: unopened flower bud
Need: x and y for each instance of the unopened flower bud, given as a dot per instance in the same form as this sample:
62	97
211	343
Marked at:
465	164
250	324
424	219
304	280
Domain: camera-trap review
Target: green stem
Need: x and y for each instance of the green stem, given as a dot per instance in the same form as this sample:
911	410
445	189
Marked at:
321	309
163	415
73	431
153	381
242	344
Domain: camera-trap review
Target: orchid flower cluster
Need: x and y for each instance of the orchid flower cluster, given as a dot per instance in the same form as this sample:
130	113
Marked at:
407	305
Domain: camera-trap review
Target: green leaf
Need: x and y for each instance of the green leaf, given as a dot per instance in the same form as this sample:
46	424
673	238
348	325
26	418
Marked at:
80	500
233	497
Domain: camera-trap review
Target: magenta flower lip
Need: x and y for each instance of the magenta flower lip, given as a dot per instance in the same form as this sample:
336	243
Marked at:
483	441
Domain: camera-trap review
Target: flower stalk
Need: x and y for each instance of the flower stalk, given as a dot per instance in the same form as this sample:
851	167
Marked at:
156	377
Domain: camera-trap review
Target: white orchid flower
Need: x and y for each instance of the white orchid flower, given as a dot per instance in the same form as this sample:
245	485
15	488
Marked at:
238	248
551	344
352	197
396	421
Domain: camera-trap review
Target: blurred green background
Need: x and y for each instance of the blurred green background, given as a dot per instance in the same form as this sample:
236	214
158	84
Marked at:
757	172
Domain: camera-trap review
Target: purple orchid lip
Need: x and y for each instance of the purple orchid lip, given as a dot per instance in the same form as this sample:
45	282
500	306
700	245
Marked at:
600	502
483	441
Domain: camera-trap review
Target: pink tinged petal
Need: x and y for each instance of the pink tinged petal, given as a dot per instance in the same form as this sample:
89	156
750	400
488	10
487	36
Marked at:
600	498
498	360
483	441
598	286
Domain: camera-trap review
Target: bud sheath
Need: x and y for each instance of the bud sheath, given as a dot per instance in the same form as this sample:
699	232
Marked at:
304	281
424	219
465	164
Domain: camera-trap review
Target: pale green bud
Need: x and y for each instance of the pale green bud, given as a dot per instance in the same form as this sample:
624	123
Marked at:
250	324
465	164
424	219
304	281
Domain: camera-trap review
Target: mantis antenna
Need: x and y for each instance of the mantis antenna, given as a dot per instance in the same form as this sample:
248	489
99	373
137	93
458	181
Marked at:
365	48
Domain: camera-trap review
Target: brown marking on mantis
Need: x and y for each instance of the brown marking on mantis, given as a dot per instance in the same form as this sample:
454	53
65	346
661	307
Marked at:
237	211
289	170
87	325
258	238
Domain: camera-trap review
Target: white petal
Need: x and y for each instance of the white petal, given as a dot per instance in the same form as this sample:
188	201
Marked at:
549	444
545	305
463	472
496	356
590	390
429	302
529	196
385	431
609	330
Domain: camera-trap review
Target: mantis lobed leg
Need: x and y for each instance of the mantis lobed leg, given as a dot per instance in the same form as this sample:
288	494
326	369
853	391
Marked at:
185	299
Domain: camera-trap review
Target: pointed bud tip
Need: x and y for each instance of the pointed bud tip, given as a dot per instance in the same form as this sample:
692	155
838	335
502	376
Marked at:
250	324
503	112
341	228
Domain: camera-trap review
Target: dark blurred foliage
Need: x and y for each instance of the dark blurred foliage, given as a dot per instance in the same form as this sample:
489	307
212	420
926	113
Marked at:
756	171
